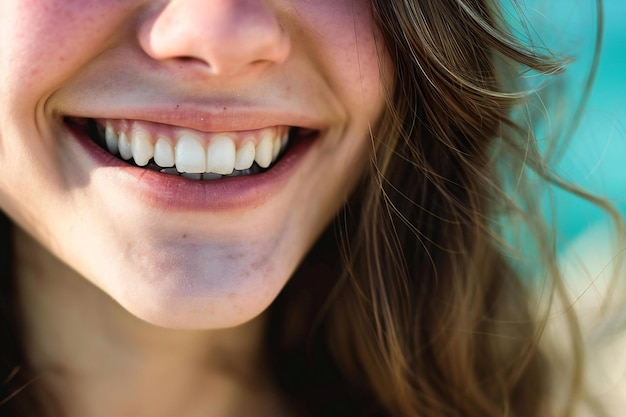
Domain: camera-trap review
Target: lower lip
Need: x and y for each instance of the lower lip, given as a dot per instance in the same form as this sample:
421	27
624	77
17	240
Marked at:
172	192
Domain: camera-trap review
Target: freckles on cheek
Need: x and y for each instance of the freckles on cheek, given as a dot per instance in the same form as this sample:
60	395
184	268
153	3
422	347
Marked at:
346	34
335	21
46	40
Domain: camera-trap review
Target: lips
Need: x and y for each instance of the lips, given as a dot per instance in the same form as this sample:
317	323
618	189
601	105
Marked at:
189	153
172	189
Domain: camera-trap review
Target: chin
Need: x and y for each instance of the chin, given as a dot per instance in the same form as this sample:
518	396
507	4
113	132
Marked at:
194	313
207	287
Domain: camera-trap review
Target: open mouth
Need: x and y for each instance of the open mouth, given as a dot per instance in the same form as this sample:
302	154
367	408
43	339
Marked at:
188	153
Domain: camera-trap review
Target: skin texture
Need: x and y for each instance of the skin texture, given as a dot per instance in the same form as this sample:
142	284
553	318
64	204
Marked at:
181	268
111	283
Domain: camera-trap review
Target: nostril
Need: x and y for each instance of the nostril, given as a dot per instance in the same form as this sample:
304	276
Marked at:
186	60
223	37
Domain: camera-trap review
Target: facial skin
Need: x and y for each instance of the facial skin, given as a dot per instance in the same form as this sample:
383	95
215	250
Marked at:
168	257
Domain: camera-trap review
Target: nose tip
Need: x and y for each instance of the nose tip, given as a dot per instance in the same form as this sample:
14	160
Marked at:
222	36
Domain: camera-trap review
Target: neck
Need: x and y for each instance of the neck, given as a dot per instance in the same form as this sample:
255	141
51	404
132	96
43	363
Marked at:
96	359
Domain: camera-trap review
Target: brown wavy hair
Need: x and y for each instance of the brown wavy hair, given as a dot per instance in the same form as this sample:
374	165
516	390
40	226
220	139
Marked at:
427	316
409	304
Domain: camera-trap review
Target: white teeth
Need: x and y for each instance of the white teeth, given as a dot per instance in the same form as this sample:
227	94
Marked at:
264	150
190	155
141	147
221	156
124	146
245	156
111	139
164	153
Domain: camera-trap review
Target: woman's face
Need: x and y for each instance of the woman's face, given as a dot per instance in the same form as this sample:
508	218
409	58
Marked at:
200	87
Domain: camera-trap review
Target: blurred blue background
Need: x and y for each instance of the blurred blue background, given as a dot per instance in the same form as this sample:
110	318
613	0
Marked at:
596	155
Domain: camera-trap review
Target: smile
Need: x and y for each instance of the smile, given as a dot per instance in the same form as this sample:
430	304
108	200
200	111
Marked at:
181	168
189	153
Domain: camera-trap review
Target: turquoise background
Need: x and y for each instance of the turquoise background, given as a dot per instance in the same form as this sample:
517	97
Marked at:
596	155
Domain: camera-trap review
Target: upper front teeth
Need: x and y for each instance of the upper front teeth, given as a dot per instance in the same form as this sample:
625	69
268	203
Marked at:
141	148
221	156
189	153
164	153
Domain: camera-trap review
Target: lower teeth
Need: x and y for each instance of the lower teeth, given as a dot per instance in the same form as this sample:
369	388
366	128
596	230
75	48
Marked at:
255	169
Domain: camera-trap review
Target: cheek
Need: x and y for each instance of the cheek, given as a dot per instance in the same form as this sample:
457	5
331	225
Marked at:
350	47
42	41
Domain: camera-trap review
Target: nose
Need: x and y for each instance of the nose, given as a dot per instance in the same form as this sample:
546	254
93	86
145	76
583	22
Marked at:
222	36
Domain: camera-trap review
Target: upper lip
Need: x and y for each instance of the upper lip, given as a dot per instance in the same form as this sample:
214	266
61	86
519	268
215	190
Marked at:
213	118
208	121
206	105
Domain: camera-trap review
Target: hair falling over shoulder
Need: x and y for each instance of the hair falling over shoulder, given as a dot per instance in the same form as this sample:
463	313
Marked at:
428	316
